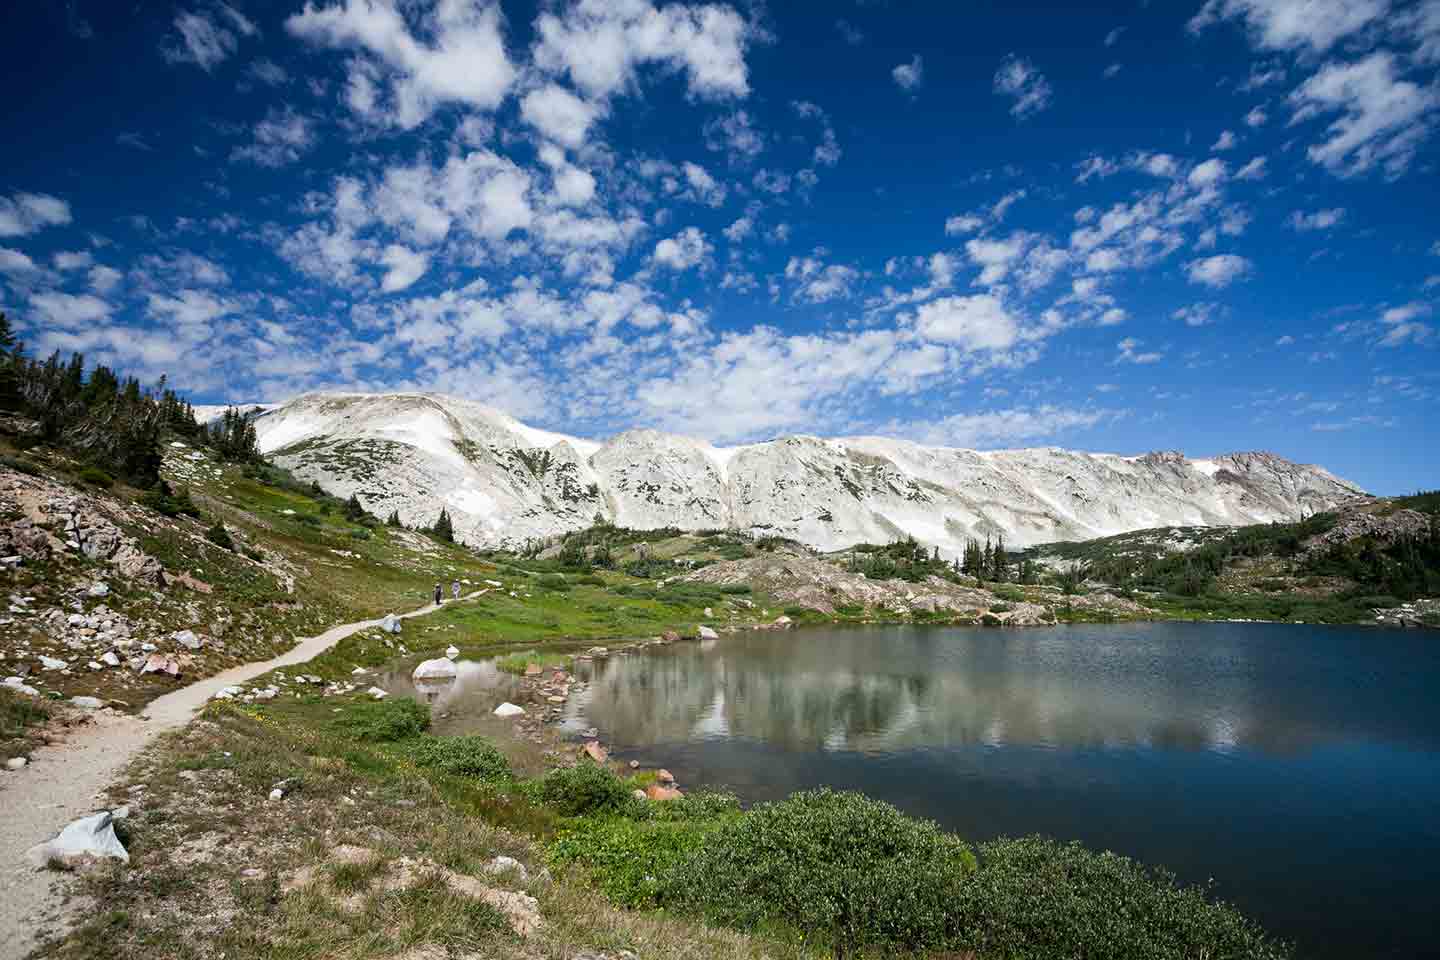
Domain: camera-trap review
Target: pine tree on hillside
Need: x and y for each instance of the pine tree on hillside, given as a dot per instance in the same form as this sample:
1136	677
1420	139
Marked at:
1000	564
353	509
10	353
394	519
443	529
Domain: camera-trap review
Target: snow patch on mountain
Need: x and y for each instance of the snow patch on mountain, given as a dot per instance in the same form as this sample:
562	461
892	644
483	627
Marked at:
504	482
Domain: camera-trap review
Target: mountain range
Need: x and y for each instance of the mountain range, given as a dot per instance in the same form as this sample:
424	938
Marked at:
504	482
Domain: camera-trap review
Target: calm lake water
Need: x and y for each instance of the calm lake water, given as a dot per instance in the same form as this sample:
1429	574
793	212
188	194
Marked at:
1297	766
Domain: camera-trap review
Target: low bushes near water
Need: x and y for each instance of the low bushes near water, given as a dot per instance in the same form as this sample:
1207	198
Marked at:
460	756
584	789
845	869
386	721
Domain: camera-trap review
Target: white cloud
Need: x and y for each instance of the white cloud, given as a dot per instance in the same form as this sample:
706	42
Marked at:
996	256
1382	121
1403	324
69	310
818	282
909	76
1254	170
1019	79
1226	141
104	279
1112	71
1218	271
601	44
686	249
706	188
26	213
281	138
191	311
72	259
558	114
1001	426
1197	314
973	323
464	61
739	230
1310	25
19	266
1113	36
963	223
403	267
268	72
1095	166
736	135
1207	174
1003	205
1319	220
1257	117
207	39
1130	352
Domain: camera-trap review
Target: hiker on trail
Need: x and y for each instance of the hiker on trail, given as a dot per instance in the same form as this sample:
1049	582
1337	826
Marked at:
455	589
439	594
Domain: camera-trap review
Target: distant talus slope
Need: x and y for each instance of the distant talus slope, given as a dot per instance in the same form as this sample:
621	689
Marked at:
503	481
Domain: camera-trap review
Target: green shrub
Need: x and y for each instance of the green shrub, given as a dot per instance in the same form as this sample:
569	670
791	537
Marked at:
590	580
1036	897
461	756
309	519
553	581
96	477
359	533
387	720
1001	608
582	789
218	535
20	464
171	503
845	869
627	859
735	589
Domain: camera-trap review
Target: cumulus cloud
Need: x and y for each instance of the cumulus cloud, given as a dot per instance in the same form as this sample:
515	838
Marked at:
1129	352
1299	25
1017	78
601	44
1403	326
1382	118
403	267
26	213
973	323
1319	220
1226	141
1218	271
71	311
818	282
686	249
558	114
1197	314
455	54
736	135
1002	427
281	138
207	37
909	76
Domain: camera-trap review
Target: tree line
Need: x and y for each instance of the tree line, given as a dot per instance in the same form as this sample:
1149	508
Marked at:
106	420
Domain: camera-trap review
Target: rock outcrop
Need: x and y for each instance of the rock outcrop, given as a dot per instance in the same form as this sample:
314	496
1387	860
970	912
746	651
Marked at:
503	482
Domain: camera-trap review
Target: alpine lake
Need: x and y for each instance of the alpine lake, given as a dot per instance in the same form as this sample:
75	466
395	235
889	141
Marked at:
1294	768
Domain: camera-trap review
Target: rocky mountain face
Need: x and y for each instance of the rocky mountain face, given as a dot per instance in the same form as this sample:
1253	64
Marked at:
504	482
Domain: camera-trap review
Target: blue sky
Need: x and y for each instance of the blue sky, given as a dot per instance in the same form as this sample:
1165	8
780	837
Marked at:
1204	226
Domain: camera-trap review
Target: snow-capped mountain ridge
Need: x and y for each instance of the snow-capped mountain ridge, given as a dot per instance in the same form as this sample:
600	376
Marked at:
504	481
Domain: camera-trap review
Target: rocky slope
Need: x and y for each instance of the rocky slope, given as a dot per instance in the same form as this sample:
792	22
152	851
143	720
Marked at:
504	482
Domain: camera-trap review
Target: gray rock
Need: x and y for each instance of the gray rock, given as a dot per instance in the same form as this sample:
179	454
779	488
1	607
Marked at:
502	864
390	624
187	639
15	763
50	663
87	703
508	709
707	634
89	838
100	590
110	659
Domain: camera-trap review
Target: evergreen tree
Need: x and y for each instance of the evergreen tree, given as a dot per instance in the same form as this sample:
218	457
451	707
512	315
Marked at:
233	437
394	519
442	529
10	359
353	509
1000	563
987	560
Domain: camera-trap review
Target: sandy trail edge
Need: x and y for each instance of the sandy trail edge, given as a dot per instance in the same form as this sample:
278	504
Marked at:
64	781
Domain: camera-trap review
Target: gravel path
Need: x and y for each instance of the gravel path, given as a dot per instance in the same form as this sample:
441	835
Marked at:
67	780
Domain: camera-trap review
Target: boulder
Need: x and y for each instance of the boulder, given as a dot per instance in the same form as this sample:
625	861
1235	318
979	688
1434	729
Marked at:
451	652
707	634
99	590
15	763
595	751
159	663
390	623
377	694
20	686
503	864
187	639
508	709
87	839
110	659
87	703
658	792
670	636
664	776
50	663
438	669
